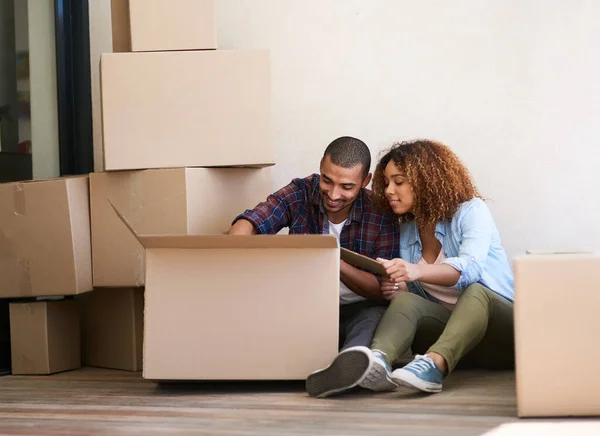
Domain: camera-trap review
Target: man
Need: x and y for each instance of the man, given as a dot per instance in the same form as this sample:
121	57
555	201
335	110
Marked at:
336	202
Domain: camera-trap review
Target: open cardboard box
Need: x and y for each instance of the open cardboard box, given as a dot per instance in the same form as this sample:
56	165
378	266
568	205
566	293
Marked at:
221	307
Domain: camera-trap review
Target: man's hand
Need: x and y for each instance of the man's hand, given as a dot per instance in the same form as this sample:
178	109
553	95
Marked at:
400	270
389	288
242	227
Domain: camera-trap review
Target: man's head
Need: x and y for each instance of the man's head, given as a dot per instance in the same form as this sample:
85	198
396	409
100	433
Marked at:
344	171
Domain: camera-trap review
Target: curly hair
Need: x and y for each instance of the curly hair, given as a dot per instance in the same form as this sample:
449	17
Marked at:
439	180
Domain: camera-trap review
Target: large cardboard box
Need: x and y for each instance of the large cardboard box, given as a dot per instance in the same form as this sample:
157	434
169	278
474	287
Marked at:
179	201
186	109
220	307
557	297
45	238
45	337
111	328
159	25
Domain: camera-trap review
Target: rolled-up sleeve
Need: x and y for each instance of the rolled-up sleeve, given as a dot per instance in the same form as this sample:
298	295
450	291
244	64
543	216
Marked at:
476	227
272	215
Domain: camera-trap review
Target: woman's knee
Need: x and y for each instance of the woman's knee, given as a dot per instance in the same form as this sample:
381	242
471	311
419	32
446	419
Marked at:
478	292
403	301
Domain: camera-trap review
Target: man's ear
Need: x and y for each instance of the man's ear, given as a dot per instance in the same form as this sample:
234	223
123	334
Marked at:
367	180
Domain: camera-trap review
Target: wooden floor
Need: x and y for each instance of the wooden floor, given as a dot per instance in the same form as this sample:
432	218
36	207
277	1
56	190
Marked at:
96	401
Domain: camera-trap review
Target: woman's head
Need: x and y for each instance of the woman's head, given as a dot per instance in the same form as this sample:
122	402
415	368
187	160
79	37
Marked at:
422	180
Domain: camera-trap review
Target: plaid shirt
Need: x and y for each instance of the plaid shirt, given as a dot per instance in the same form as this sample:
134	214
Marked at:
298	206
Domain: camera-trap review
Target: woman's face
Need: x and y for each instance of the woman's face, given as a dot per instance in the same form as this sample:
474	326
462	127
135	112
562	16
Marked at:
398	191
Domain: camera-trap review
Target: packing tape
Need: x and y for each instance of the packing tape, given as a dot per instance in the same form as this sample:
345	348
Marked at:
25	288
9	257
19	199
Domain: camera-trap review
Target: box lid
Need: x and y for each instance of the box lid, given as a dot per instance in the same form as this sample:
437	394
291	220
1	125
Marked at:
229	241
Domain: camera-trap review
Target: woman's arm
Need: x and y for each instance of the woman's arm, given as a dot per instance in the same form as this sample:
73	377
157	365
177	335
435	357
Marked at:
402	271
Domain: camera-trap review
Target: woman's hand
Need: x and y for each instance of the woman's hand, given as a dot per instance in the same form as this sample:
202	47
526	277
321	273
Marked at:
389	288
400	270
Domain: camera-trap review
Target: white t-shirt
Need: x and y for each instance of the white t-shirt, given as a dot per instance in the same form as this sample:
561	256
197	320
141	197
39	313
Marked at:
346	295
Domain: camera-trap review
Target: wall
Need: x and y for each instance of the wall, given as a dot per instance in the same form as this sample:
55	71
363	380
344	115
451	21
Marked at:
42	77
100	42
513	87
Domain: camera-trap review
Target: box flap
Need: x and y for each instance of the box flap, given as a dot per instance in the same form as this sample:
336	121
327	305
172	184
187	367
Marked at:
230	241
129	226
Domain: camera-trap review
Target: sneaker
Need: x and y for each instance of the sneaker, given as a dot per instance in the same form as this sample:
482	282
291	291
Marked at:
347	370
379	376
422	374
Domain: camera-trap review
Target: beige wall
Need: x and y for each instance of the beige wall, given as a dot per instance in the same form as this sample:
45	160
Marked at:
100	42
513	86
44	108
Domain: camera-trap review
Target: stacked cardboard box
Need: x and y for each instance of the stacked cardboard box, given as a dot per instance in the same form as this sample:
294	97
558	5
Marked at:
172	109
187	132
44	252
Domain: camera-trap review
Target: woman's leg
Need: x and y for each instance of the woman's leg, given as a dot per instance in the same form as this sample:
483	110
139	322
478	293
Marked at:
479	313
480	318
406	314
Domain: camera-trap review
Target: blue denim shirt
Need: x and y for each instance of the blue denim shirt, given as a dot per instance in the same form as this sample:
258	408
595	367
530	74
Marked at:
471	244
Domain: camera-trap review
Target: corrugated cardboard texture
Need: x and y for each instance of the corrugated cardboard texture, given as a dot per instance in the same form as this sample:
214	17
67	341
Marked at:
112	323
45	337
169	202
556	314
45	246
186	109
241	313
159	25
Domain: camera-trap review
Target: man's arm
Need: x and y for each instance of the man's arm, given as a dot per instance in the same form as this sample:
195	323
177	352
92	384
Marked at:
270	216
242	227
360	282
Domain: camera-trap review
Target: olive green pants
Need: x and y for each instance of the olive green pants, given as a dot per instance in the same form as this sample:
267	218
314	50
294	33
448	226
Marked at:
479	329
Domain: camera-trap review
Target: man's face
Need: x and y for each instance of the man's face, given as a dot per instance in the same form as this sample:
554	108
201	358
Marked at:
340	186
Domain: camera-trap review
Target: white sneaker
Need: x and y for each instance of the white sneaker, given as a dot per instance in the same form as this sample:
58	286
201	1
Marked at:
347	370
379	376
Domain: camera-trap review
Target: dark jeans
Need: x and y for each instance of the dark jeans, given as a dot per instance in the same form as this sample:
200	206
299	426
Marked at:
358	322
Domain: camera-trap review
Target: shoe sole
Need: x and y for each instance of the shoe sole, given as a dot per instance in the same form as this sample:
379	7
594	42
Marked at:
409	380
377	380
346	371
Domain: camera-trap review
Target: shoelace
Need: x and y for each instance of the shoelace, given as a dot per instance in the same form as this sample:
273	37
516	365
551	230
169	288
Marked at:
421	364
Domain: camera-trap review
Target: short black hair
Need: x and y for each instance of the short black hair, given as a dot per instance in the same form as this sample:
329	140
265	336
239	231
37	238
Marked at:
347	152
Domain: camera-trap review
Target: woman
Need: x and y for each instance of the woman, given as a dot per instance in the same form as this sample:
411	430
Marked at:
458	278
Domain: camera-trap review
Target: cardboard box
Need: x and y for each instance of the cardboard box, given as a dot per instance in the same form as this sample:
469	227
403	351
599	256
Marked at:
121	28
179	201
556	314
220	307
45	238
111	328
45	337
159	25
186	109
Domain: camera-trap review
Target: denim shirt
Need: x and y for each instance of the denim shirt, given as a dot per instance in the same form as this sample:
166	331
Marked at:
472	246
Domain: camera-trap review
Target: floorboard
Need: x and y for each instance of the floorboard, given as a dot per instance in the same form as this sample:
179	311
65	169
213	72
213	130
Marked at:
96	401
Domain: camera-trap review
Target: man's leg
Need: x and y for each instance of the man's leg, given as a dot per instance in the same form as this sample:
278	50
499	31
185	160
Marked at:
393	337
360	329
